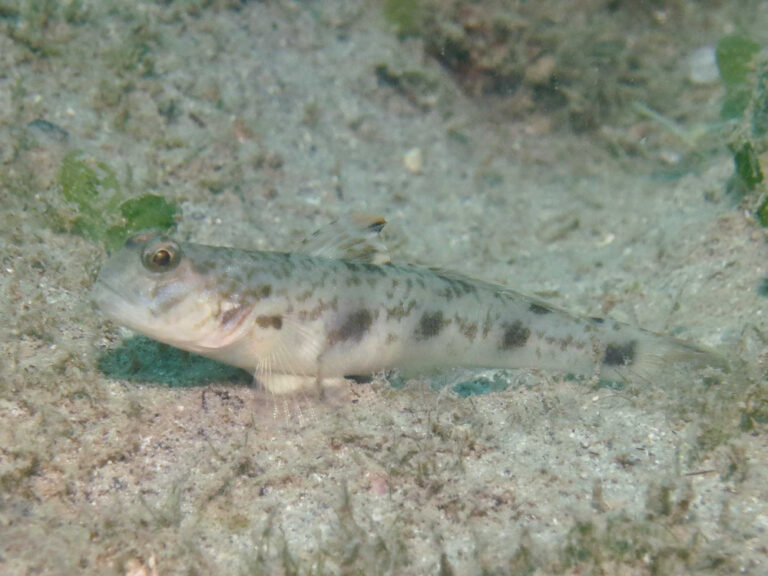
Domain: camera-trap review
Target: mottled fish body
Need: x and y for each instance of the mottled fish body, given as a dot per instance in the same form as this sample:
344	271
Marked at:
296	319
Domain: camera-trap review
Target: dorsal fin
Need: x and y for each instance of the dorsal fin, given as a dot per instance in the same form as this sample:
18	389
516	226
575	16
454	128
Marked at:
453	275
355	237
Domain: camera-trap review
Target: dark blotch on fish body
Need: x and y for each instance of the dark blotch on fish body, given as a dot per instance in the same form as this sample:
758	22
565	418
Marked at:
400	311
430	325
264	291
353	328
373	269
468	329
539	309
236	313
205	266
260	292
620	354
275	322
463	286
515	335
352	266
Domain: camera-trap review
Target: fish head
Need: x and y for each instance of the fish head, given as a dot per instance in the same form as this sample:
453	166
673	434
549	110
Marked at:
152	287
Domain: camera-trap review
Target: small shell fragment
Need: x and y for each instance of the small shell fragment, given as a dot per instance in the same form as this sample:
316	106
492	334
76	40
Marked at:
413	160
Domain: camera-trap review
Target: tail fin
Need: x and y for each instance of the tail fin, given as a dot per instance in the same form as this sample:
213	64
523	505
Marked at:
646	355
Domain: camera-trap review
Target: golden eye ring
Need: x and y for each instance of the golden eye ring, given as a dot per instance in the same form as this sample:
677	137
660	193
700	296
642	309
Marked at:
162	255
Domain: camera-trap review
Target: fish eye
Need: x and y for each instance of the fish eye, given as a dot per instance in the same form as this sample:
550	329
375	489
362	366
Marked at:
161	257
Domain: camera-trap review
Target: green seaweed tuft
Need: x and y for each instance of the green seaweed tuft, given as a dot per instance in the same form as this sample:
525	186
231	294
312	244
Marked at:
101	215
747	165
92	188
735	55
744	72
762	213
148	211
404	16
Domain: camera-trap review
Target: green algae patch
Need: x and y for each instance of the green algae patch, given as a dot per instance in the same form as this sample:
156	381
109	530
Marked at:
93	189
148	211
97	209
404	16
735	55
743	67
141	213
747	165
762	213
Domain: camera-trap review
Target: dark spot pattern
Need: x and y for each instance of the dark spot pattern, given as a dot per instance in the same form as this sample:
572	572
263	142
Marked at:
468	329
352	266
306	295
265	322
319	309
374	269
488	323
204	266
400	311
264	290
353	280
353	328
447	293
430	325
238	312
515	335
258	292
463	287
539	309
620	354
456	287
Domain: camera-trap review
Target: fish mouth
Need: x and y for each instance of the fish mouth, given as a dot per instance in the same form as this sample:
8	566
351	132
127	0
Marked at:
112	302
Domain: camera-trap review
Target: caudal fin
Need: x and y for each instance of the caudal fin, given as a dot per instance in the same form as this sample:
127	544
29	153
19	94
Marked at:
647	355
